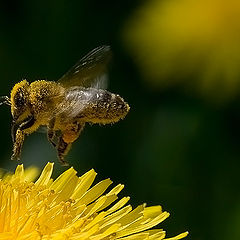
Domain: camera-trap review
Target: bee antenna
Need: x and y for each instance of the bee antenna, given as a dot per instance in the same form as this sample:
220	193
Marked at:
5	100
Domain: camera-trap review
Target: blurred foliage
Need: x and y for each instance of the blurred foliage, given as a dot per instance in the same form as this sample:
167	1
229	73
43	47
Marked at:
195	43
173	148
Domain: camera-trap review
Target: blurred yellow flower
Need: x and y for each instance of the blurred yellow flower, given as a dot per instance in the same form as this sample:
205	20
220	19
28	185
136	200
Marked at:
195	42
69	208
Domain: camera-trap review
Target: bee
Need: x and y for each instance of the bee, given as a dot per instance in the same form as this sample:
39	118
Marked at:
65	106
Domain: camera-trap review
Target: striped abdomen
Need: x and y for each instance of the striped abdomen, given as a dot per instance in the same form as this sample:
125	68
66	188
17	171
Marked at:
103	107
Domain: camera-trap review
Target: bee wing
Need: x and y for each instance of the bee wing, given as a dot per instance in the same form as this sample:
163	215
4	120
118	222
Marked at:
89	71
76	100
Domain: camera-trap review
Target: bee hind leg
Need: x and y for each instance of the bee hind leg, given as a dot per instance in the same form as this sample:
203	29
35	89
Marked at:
63	148
69	135
51	134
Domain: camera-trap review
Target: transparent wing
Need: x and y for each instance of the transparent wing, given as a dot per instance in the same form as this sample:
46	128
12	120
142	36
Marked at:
89	71
76	100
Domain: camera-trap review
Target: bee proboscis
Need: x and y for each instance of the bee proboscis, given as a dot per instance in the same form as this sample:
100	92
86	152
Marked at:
65	106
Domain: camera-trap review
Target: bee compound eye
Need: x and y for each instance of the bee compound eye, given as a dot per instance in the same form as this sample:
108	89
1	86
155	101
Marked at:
19	99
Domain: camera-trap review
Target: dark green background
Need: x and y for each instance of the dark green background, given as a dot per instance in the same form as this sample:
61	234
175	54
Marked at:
178	151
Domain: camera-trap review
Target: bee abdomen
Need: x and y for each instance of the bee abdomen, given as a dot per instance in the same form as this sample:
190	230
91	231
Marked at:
107	108
117	108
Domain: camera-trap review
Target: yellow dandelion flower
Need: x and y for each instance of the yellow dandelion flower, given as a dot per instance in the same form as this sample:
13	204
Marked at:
69	208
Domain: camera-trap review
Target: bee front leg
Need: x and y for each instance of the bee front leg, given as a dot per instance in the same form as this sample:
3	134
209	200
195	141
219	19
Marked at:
18	135
17	146
69	135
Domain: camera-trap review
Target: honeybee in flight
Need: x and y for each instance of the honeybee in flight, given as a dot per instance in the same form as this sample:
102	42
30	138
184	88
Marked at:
65	106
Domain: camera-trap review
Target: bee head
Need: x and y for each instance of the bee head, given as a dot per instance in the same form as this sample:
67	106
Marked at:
20	107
